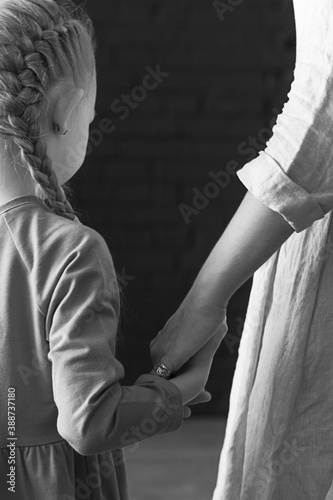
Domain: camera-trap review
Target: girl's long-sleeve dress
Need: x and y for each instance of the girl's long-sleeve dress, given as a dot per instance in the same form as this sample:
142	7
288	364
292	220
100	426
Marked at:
59	311
279	437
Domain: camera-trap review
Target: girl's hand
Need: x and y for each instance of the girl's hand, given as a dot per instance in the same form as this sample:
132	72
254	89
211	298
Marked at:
186	332
193	376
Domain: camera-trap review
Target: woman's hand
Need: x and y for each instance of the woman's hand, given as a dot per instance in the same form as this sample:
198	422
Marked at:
186	332
193	376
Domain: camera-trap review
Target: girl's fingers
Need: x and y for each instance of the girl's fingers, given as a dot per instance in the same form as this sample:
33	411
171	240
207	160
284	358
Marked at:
203	397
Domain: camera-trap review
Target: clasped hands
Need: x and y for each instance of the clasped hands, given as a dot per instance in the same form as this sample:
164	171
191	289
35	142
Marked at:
187	345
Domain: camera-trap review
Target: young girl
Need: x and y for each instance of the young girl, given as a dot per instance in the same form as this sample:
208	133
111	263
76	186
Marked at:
64	416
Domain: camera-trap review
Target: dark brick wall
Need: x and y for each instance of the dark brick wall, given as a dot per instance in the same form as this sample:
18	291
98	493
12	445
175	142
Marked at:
229	67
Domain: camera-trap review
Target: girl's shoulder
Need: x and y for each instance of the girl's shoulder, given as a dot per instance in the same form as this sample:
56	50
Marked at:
46	240
68	251
69	238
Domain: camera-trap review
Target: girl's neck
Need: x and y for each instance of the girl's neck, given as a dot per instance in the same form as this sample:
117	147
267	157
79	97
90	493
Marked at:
13	186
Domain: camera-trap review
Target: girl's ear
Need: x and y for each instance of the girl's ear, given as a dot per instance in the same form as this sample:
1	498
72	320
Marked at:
65	100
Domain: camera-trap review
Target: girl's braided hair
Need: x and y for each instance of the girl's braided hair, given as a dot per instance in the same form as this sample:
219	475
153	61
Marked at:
41	43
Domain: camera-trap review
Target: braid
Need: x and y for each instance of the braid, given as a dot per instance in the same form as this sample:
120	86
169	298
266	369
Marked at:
50	45
24	121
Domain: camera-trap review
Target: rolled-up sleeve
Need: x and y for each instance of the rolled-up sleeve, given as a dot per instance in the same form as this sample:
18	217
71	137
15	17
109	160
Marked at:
95	412
271	185
294	174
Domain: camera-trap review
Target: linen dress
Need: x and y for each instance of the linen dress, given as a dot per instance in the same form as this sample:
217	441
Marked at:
59	312
279	437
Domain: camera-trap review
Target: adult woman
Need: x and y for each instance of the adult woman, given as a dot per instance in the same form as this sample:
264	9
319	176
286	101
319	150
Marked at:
279	438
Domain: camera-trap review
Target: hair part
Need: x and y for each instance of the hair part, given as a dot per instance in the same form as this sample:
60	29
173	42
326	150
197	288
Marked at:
42	42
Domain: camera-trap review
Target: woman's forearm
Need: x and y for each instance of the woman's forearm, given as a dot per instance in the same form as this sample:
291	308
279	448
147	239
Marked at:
253	235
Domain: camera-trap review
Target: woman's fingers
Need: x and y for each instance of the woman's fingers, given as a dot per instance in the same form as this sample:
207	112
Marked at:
203	397
186	412
207	352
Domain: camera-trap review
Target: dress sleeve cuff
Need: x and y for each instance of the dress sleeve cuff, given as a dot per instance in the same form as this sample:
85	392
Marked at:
173	399
266	180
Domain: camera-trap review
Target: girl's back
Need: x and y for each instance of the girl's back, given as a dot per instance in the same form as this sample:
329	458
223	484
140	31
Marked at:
36	462
63	414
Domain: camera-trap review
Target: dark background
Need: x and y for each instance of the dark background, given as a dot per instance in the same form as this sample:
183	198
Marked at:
230	71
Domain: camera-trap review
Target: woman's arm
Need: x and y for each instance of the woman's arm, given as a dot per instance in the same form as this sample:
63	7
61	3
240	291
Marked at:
253	235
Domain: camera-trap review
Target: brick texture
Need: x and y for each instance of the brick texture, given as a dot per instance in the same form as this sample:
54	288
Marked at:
227	71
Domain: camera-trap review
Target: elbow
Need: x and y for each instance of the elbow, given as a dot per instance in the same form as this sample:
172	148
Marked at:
84	443
81	445
87	439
